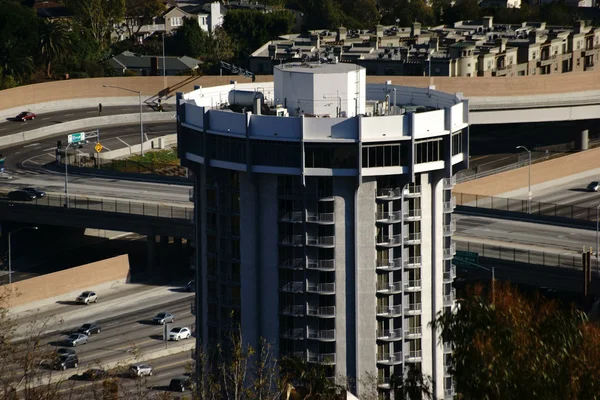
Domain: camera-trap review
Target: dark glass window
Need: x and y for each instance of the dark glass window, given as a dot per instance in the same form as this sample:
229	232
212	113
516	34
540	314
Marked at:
384	155
227	148
319	155
457	140
276	153
429	150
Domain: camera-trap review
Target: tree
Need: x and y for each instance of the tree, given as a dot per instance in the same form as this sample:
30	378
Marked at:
405	12
99	16
18	41
465	10
141	12
309	380
54	40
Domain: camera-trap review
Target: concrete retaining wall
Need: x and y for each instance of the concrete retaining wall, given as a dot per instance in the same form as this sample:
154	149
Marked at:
168	141
83	124
67	284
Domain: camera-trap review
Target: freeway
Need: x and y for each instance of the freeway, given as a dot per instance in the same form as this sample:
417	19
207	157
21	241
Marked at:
8	127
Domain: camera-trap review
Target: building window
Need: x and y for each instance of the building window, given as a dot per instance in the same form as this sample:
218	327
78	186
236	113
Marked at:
276	154
388	155
428	150
320	155
457	140
176	21
230	149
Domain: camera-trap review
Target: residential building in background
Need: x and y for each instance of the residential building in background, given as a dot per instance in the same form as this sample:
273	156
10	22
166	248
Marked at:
153	65
466	49
324	217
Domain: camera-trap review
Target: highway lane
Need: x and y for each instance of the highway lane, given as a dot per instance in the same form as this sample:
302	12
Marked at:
8	127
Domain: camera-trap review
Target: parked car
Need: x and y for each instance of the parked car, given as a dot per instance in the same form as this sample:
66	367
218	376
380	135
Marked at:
141	370
75	339
163	318
20	195
593	186
180	384
24	116
94	374
191	286
64	361
179	333
88	329
87	298
37	193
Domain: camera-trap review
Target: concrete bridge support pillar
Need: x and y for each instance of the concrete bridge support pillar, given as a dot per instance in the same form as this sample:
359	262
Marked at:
151	253
584	140
179	253
164	254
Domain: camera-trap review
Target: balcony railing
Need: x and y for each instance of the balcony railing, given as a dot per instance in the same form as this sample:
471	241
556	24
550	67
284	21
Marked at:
449	393
389	288
321	265
450	275
412	191
447	347
389	358
449	183
295	216
293	240
321	358
320	288
449	298
294	310
321	218
413	332
383	382
412	214
449	206
293	287
450	228
412	238
388	265
388	216
389	193
321	241
389	334
414	355
294	334
385	240
325	312
293	263
413	308
389	311
413	262
450	252
323	334
412	285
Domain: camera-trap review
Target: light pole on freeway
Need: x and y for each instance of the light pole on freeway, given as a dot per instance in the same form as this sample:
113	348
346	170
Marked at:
141	111
529	184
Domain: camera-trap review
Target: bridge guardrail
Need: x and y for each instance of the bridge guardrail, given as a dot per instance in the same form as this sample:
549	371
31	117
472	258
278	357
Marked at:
113	205
483	106
520	206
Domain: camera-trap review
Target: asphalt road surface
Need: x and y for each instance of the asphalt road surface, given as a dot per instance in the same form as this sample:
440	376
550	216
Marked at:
8	127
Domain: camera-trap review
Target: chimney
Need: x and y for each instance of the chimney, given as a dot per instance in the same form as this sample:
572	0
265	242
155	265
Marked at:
215	15
257	105
342	34
434	44
501	42
578	26
415	30
379	30
487	22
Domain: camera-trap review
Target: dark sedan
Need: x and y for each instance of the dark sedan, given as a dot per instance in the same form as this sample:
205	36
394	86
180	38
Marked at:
94	374
37	193
88	329
20	195
24	116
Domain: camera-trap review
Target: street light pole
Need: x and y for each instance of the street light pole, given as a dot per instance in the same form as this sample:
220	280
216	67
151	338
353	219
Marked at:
529	180
66	175
9	250
164	63
141	111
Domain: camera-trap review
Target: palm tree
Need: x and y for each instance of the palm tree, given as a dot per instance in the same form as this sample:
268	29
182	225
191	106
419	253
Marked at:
308	381
54	40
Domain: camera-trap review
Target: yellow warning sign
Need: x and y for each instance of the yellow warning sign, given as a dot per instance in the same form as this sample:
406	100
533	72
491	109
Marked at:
98	147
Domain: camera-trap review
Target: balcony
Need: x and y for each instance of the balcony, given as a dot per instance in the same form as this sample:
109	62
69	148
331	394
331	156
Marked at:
293	311
388	217
321	265
152	28
321	358
449	393
321	312
323	335
412	215
383	382
449	183
412	191
450	252
389	311
388	194
320	241
389	288
412	309
449	298
293	240
293	334
388	265
450	228
449	276
320	288
413	332
293	264
293	287
412	238
413	285
447	347
449	206
389	241
294	217
389	358
389	334
320	218
413	356
413	262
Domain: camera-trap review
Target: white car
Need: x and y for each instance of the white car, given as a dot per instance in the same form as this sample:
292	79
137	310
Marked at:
87	298
179	333
141	370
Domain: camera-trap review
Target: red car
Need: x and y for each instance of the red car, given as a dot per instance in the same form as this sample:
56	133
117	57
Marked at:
24	116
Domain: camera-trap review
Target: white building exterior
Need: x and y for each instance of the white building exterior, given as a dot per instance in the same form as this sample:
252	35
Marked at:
328	236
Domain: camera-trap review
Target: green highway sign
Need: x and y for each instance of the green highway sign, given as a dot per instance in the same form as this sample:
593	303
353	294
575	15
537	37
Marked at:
465	258
76	137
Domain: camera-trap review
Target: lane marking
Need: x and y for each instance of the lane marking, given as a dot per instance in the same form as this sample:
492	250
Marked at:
31	145
113	340
164	366
49	149
124	142
67	115
112	323
31	161
18	152
45	118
